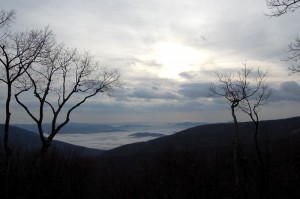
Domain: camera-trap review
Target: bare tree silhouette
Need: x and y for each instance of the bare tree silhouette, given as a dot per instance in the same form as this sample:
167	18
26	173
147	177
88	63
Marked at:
279	8
63	81
17	53
237	89
6	17
294	56
251	106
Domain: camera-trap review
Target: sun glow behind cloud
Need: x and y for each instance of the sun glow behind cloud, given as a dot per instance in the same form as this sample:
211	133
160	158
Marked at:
176	58
167	52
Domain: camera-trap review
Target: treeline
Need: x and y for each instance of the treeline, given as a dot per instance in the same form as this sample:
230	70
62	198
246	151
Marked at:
170	173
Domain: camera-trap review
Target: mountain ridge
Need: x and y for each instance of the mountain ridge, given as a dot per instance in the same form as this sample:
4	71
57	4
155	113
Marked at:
211	136
202	136
25	139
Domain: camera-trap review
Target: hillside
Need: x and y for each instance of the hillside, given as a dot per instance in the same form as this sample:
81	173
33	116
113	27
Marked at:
194	163
207	136
24	139
212	136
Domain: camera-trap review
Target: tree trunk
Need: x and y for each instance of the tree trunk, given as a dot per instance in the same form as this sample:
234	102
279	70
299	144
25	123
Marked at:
260	159
261	163
6	127
236	151
41	158
45	147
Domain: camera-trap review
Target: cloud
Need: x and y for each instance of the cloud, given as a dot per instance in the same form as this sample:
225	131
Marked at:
126	34
148	88
194	90
289	90
152	94
187	75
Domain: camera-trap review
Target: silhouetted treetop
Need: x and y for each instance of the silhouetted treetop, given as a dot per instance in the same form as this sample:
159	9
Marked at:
280	7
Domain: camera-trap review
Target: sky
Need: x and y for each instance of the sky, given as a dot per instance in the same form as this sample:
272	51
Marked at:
167	53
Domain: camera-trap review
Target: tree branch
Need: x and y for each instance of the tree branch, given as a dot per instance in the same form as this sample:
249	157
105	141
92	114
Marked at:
281	7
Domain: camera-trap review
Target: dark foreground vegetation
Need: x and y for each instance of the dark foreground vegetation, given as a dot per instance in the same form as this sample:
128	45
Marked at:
172	171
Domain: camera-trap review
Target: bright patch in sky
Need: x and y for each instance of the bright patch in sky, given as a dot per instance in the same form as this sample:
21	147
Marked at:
176	58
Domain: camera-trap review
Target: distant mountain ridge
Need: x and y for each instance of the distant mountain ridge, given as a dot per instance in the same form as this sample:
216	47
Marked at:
146	134
83	128
75	128
211	136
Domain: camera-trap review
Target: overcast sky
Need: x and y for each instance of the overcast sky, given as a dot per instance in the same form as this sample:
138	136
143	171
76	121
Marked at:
167	52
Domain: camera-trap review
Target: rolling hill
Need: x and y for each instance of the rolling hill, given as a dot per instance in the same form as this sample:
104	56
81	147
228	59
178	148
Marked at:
207	136
25	139
213	136
194	163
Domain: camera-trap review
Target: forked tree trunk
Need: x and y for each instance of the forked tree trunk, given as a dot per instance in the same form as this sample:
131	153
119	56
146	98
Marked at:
42	155
46	143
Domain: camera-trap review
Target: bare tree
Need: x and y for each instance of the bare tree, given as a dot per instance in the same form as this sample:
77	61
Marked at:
281	7
251	106
294	56
6	17
235	89
62	82
17	53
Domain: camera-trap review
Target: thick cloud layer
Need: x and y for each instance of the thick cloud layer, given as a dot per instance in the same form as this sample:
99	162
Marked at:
288	90
167	52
